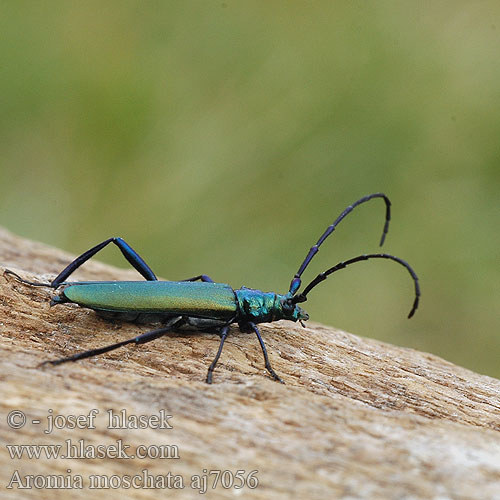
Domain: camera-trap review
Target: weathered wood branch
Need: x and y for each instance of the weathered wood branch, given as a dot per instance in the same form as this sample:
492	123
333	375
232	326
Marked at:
357	418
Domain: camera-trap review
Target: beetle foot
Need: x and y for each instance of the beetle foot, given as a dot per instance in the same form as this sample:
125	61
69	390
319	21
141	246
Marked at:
22	280
274	375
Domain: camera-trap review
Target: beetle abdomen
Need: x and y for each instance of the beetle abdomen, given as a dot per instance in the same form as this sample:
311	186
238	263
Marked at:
204	300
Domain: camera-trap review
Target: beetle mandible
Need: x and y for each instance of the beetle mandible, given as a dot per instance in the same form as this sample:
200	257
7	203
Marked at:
198	302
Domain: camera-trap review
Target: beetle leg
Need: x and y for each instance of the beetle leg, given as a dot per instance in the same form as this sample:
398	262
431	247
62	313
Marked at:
140	339
223	334
22	280
128	252
201	277
269	368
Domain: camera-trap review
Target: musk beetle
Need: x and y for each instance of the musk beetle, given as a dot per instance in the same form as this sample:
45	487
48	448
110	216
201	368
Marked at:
198	302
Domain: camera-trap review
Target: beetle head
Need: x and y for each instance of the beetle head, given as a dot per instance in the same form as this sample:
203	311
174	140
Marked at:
292	311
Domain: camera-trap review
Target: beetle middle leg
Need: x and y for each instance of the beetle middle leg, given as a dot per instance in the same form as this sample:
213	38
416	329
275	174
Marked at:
201	277
223	335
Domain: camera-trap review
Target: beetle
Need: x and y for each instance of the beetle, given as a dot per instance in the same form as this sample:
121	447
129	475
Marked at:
198	302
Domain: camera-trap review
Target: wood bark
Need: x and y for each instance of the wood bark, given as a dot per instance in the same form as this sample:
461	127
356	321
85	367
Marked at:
356	418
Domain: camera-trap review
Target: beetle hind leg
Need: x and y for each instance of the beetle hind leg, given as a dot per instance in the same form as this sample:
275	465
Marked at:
26	282
128	252
140	339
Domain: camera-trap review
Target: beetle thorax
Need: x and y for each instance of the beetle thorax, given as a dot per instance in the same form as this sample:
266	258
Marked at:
264	307
258	306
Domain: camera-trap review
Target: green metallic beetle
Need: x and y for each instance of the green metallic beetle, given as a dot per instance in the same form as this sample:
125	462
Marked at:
197	302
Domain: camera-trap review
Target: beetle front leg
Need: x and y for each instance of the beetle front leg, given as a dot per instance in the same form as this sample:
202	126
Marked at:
269	368
223	334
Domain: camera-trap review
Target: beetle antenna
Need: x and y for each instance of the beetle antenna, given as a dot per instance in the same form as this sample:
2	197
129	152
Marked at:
302	297
296	280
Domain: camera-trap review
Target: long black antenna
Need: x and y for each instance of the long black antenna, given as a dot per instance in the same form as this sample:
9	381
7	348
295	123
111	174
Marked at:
296	281
302	297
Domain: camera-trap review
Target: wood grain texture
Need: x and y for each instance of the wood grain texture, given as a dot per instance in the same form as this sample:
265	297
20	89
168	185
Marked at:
357	418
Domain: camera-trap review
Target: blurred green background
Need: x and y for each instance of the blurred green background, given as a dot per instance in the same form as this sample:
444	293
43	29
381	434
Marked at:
222	137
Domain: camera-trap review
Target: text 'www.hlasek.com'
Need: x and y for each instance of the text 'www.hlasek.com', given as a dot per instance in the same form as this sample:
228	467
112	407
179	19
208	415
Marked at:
88	449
